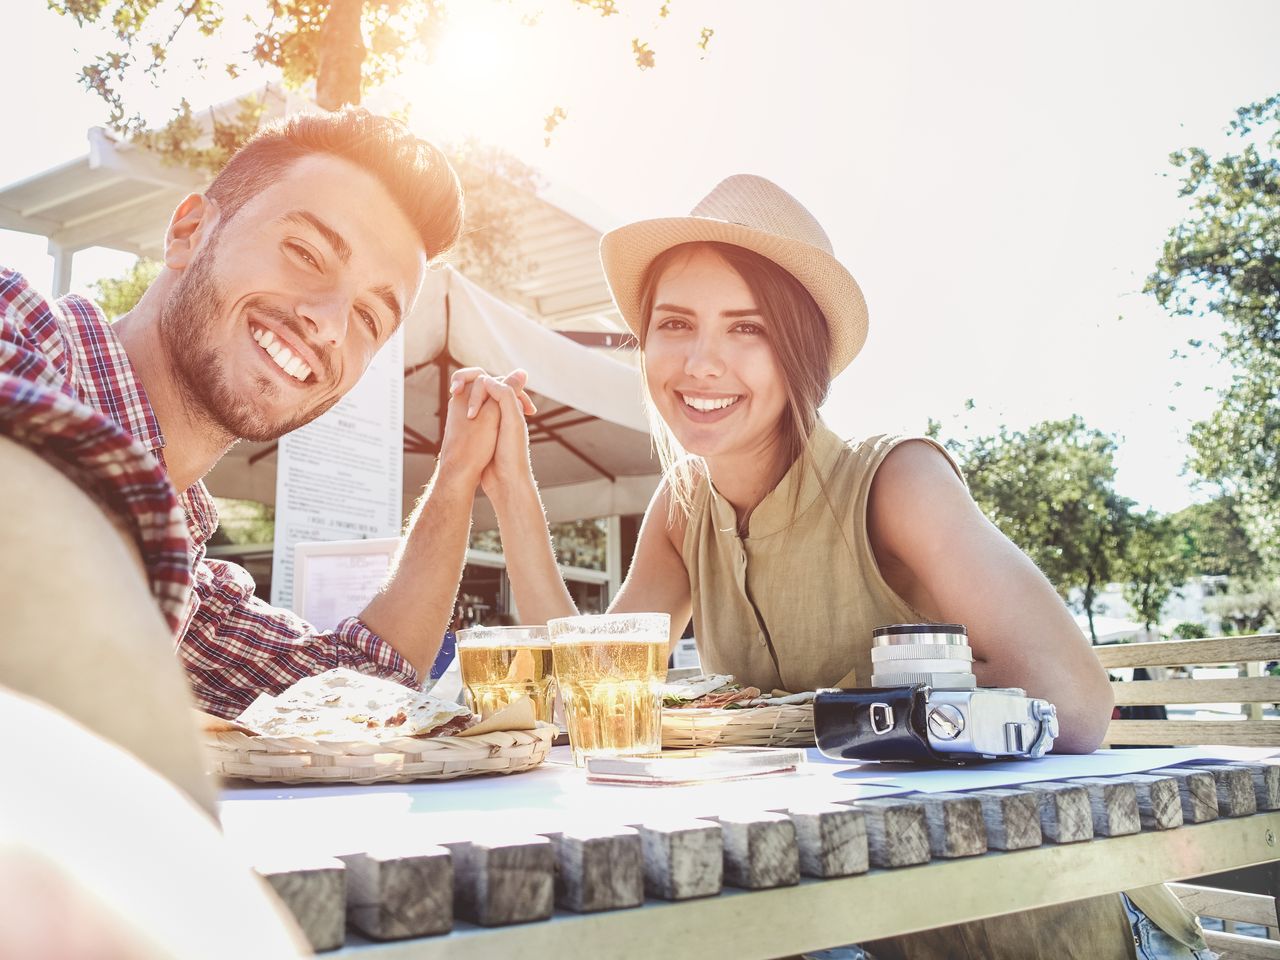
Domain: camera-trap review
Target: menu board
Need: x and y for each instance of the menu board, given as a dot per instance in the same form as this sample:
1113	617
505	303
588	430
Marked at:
328	588
341	476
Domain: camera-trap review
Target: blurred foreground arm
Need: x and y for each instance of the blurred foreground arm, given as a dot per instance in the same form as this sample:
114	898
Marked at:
83	631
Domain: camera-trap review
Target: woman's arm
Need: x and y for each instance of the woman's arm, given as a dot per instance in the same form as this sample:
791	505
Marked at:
658	581
538	589
941	555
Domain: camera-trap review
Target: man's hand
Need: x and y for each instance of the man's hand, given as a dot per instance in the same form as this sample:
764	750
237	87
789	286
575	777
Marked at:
510	462
470	434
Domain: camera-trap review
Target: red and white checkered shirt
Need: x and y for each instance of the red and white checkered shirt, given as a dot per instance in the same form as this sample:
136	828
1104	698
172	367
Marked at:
65	380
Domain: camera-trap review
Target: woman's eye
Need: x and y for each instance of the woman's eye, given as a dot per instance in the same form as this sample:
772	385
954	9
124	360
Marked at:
752	329
673	323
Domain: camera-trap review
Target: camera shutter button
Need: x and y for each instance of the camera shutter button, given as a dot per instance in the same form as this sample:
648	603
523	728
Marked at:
945	721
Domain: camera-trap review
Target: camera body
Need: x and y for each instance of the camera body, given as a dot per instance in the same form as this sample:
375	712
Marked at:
925	705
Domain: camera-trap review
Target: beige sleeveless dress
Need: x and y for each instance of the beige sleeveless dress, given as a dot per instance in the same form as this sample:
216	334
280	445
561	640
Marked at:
792	605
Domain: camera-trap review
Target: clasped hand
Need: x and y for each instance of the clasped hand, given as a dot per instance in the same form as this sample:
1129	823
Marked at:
486	437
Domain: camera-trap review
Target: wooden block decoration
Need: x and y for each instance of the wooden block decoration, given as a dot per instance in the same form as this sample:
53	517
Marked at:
1159	802
315	893
1235	789
896	832
500	882
395	894
1114	805
1197	792
1065	815
1012	818
1266	783
760	850
832	839
682	859
955	824
598	869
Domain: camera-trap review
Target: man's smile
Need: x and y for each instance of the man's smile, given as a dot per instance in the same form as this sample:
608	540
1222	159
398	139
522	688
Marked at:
280	354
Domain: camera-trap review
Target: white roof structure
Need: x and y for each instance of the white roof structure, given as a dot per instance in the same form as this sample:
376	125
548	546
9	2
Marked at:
114	197
590	443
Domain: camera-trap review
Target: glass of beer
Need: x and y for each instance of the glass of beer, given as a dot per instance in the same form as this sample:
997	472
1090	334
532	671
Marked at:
609	669
501	664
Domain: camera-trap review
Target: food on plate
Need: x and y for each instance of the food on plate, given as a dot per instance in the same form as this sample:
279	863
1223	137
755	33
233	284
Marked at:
342	704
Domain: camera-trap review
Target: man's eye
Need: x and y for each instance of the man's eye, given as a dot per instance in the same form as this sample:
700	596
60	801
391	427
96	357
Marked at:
303	254
370	321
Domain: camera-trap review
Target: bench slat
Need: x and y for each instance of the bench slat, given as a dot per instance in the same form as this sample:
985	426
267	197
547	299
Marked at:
1227	904
1236	947
1236	733
1241	690
1180	653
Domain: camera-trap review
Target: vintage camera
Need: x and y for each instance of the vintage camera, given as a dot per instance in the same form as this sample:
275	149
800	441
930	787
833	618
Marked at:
925	705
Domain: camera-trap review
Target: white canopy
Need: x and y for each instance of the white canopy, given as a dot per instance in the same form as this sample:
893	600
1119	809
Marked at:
590	441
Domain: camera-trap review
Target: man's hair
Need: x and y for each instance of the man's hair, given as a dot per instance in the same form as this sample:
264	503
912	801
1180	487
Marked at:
415	173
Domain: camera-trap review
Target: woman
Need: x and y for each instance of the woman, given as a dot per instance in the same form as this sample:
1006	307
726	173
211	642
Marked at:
786	545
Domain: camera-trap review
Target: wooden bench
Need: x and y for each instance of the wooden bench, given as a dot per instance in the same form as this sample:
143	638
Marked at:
1233	907
1251	689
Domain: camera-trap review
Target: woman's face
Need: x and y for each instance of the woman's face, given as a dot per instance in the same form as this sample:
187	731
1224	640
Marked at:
709	364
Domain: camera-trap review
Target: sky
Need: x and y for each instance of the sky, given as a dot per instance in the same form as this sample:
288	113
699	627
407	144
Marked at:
995	175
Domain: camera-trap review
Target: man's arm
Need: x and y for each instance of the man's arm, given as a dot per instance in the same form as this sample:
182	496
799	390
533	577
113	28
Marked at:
237	646
415	607
944	557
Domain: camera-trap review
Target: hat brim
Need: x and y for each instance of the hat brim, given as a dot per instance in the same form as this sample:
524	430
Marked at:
627	252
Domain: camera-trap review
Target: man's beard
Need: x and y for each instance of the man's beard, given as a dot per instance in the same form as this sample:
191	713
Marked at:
187	324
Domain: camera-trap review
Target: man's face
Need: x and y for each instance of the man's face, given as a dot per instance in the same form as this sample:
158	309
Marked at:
283	307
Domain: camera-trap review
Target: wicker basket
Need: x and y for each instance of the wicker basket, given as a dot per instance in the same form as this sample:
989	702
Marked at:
302	760
790	725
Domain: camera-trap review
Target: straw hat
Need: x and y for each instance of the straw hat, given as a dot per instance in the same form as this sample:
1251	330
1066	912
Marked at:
757	214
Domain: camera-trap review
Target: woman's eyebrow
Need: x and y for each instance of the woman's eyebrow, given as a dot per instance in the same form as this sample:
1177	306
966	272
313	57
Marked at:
672	308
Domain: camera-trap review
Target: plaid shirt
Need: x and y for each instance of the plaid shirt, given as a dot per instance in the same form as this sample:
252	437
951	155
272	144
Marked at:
65	385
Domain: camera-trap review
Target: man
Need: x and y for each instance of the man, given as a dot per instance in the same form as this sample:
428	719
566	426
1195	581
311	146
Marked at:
279	284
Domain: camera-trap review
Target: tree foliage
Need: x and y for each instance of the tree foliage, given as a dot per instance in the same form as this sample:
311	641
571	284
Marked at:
1223	261
1051	490
1247	606
344	47
117	296
1156	562
1218	542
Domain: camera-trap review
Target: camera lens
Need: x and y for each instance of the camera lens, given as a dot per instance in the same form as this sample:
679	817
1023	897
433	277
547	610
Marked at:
934	653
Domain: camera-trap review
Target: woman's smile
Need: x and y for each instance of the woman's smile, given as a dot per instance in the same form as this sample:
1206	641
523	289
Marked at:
709	361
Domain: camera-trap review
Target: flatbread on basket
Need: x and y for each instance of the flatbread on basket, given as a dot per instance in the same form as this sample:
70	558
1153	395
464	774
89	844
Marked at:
346	727
714	710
